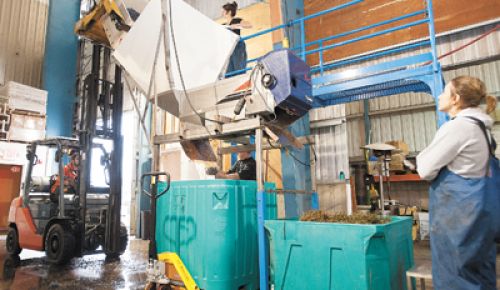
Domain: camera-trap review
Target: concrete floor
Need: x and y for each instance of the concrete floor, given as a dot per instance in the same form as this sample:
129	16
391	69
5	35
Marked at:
89	272
95	272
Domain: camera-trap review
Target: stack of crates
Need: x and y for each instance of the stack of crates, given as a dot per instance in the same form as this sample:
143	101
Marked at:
22	112
4	118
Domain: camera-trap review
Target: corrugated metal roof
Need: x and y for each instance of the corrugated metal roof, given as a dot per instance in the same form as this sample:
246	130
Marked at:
22	40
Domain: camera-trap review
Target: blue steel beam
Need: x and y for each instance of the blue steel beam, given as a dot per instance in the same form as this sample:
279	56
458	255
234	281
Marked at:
374	91
370	56
364	28
378	68
368	36
438	84
295	163
407	74
59	69
357	73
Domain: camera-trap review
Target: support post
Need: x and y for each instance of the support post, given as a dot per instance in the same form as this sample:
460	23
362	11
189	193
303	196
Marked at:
438	85
261	204
113	225
87	133
314	195
61	180
59	66
302	40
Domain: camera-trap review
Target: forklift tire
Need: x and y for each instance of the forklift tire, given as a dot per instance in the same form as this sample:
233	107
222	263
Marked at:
123	244
9	267
12	242
123	240
59	244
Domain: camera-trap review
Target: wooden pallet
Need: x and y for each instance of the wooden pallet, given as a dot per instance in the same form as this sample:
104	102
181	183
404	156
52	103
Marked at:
26	113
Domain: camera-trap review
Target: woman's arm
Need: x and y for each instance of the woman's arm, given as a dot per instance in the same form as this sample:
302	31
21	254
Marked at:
242	25
222	175
445	146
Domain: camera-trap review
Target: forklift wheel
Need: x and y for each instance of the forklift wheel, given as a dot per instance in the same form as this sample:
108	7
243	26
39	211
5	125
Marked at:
123	239
122	246
9	267
12	243
59	244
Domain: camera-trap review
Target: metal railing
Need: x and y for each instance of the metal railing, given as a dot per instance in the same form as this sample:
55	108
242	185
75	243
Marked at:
319	46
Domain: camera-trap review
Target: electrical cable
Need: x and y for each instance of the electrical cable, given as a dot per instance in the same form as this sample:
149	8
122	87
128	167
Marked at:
289	153
467	44
202	118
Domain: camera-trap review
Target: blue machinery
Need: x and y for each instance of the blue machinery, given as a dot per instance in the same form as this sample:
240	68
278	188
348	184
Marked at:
416	73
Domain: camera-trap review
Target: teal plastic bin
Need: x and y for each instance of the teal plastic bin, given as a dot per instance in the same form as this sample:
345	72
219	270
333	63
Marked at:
330	256
212	226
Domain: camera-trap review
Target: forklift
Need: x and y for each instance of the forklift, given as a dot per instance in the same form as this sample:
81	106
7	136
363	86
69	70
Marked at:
71	222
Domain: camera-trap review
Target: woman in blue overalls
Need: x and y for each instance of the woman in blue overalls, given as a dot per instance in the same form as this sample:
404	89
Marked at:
238	60
461	212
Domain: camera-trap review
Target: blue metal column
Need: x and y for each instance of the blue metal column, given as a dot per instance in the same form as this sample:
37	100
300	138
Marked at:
261	205
59	68
438	87
296	163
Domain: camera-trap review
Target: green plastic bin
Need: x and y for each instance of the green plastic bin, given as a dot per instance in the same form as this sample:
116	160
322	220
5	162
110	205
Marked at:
212	226
331	256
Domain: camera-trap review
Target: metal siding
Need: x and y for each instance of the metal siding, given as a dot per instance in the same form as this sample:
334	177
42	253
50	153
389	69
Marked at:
356	137
488	72
22	40
486	47
496	135
331	152
331	144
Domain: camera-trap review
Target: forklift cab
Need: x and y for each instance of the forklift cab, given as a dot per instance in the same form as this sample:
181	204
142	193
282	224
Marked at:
48	214
42	191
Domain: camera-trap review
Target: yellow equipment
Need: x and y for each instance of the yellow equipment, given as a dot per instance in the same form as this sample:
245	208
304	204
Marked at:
106	23
179	273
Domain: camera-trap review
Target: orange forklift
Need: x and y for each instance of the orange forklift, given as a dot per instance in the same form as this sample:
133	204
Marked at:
64	222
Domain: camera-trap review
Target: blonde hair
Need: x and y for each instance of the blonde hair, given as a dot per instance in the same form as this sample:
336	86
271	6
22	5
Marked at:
472	92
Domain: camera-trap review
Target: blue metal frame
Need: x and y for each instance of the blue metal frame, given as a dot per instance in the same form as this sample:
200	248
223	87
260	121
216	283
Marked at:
418	73
263	271
60	66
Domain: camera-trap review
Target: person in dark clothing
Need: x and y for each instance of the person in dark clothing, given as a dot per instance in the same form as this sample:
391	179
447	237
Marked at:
238	60
244	169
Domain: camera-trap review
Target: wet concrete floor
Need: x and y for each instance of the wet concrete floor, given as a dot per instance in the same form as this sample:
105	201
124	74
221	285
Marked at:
88	272
95	272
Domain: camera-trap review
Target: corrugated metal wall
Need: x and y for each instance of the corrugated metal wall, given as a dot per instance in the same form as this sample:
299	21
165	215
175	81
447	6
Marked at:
330	147
409	117
22	40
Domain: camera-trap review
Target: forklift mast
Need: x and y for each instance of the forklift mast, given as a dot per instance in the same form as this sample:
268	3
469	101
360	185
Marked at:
102	99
